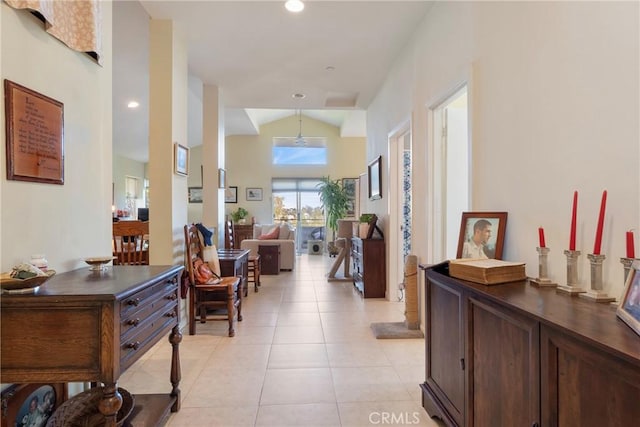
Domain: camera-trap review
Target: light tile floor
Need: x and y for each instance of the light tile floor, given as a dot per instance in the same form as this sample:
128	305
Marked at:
304	355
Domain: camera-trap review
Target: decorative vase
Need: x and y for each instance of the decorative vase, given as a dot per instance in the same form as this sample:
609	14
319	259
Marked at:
242	221
363	230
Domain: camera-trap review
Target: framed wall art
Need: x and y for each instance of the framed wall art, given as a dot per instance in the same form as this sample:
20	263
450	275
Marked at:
34	126
351	187
375	179
31	404
629	308
482	235
231	195
195	194
254	194
181	159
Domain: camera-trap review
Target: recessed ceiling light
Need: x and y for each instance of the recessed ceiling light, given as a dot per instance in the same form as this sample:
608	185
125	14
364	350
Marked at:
133	104
330	68
298	95
294	6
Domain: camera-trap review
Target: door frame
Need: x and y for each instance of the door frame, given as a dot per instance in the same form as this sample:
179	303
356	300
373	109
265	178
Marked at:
395	236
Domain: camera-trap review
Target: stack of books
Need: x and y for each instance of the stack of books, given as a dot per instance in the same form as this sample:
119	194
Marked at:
487	271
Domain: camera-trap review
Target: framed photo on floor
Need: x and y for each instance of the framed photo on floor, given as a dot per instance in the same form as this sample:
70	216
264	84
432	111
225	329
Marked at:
482	235
31	404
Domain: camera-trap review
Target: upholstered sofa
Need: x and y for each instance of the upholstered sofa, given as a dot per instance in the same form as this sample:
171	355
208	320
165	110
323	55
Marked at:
281	235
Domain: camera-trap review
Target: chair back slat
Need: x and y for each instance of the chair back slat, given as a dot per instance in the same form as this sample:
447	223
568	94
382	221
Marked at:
131	243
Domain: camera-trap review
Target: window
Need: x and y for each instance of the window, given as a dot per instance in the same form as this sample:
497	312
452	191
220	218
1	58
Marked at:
312	152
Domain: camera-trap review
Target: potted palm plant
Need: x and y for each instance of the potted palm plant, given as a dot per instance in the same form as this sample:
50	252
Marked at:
335	203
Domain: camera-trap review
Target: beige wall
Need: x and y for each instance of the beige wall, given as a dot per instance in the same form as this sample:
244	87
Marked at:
554	94
71	221
249	161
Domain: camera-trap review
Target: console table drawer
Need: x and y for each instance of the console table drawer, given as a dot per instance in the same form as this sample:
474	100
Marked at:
149	295
135	320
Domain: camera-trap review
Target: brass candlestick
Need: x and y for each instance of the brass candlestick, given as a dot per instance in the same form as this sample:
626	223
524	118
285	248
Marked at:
542	280
597	293
571	287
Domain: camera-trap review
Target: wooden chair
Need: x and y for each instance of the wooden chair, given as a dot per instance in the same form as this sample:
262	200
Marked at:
130	243
225	296
253	275
229	240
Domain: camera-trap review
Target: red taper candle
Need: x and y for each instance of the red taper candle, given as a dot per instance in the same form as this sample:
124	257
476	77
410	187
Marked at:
631	252
541	235
574	214
598	243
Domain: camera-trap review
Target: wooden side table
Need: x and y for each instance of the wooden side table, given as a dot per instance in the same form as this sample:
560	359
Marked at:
269	259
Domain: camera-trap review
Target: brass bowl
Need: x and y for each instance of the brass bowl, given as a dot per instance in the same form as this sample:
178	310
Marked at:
11	285
98	263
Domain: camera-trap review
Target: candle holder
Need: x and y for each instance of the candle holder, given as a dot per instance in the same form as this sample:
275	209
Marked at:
542	281
596	293
571	287
626	263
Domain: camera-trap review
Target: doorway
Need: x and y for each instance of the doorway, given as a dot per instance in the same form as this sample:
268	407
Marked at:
296	201
400	206
451	171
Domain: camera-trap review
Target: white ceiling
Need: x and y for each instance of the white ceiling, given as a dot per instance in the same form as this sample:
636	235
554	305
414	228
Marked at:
259	55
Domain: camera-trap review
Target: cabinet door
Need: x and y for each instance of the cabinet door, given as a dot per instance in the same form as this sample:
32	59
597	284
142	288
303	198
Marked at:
444	394
503	355
583	386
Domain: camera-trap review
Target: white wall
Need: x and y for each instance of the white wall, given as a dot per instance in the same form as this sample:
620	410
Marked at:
554	100
71	221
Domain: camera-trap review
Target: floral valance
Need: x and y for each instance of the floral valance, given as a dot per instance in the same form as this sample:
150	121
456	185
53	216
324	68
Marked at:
75	23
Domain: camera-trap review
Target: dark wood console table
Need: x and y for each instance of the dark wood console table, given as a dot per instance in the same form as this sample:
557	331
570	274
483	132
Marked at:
90	327
517	355
235	262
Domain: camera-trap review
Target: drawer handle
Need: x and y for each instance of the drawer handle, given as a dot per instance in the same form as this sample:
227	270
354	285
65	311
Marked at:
172	297
134	302
134	322
134	345
171	314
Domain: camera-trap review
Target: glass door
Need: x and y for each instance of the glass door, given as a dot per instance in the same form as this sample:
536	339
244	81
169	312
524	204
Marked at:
296	201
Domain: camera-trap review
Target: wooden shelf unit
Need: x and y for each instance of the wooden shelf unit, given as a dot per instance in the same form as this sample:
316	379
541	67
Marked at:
369	267
86	326
517	355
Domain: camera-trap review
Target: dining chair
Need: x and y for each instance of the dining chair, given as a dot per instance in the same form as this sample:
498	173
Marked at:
209	301
130	243
229	241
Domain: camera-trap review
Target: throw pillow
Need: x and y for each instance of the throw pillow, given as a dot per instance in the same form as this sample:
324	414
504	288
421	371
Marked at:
284	232
271	235
210	255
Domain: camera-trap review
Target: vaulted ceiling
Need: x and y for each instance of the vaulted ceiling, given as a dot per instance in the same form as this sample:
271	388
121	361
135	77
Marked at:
336	53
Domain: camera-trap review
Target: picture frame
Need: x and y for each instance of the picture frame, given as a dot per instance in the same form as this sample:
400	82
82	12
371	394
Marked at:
180	159
629	308
222	178
34	128
231	195
351	187
254	194
195	194
17	398
482	235
374	175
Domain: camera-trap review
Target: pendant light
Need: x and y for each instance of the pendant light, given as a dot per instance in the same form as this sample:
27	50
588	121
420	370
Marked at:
299	139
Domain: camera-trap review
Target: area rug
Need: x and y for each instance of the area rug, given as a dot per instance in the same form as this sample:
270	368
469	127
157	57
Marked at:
394	330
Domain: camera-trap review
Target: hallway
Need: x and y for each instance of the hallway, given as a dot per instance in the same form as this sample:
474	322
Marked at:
304	355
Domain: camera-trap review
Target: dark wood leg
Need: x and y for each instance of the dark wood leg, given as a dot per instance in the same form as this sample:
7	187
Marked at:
175	338
239	305
230	308
192	311
110	404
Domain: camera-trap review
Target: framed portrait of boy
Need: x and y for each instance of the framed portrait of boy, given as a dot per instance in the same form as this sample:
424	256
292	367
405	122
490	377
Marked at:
482	235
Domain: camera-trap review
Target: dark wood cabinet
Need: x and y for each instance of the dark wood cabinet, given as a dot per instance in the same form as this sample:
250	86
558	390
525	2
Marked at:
90	327
518	355
369	267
